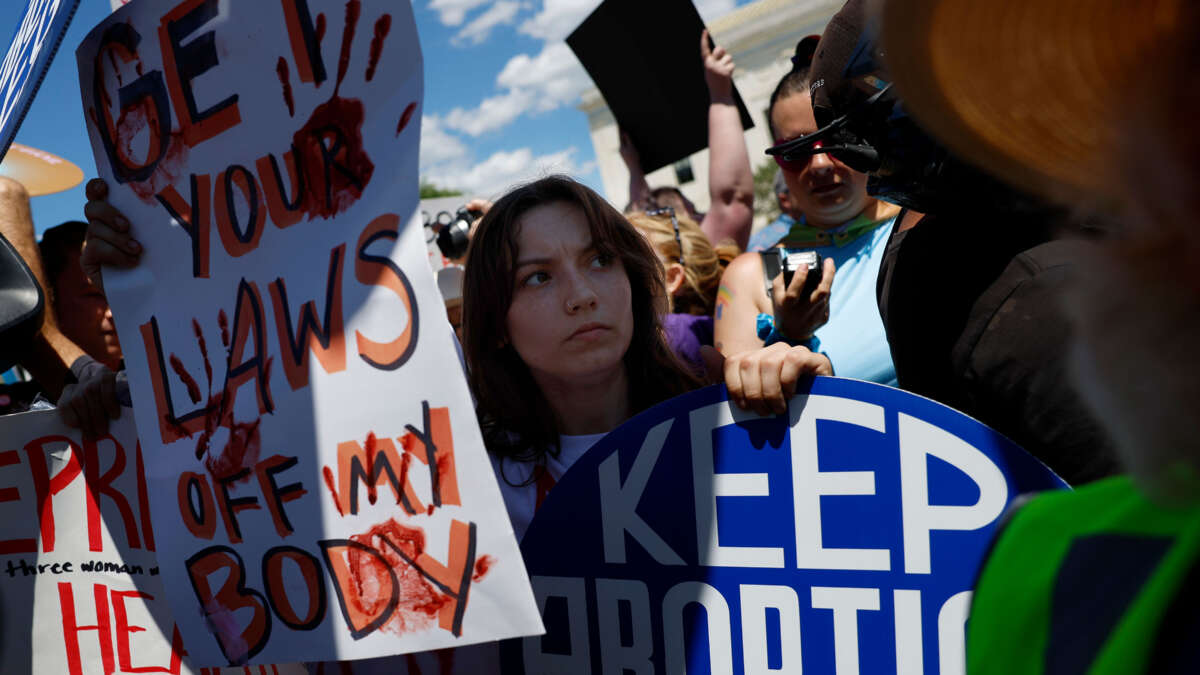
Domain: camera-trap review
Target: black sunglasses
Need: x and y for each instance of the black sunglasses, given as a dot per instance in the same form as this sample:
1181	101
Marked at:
837	139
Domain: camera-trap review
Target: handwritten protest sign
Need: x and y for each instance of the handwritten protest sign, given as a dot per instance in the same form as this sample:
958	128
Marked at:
29	54
844	537
317	477
80	588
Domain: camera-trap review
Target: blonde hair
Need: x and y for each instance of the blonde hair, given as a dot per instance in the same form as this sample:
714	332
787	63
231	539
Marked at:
703	263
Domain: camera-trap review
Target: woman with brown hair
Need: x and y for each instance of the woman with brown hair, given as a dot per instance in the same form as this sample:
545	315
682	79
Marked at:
693	270
564	341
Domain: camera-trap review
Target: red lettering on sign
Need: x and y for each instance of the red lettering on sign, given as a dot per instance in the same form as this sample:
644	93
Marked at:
282	601
45	487
193	216
324	337
72	629
102	485
124	630
183	62
370	465
367	608
238	237
434	446
385	578
239	640
284	212
200	519
11	494
144	498
277	496
248	330
373	269
305	40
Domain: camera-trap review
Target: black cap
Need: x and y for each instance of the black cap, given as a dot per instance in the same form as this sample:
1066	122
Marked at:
847	47
806	48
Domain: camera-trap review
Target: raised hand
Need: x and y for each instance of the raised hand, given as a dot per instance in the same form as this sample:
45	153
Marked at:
718	68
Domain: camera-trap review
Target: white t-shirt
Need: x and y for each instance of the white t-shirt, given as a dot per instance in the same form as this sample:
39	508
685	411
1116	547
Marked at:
520	493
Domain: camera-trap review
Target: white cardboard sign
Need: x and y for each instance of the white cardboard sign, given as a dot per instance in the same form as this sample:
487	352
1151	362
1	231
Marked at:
80	588
316	473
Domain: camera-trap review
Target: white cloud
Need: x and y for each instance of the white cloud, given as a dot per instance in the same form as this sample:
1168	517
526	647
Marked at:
492	113
477	31
554	76
539	83
494	175
527	84
453	12
558	18
438	146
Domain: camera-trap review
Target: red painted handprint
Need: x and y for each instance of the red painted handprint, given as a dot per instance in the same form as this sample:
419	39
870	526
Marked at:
329	144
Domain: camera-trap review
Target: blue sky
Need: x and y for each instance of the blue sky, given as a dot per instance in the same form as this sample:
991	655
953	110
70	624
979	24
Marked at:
501	89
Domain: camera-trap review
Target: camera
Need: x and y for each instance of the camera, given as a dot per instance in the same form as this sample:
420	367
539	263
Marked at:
779	260
454	232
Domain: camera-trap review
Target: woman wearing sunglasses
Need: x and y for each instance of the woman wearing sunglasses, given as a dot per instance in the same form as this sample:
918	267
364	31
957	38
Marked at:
834	217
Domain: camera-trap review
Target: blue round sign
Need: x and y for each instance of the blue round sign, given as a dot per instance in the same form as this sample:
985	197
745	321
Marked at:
844	537
32	48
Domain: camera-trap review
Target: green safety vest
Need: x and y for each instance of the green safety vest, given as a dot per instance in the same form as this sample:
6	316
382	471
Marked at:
1078	582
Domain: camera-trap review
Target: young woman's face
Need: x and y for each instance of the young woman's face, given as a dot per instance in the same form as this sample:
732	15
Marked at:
827	191
571	318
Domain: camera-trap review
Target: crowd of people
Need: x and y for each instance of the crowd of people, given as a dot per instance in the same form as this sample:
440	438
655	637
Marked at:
1059	308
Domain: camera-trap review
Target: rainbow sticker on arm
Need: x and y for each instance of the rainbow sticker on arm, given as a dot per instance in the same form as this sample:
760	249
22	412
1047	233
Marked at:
724	297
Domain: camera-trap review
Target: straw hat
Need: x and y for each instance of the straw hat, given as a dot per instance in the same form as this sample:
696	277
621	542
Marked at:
1031	90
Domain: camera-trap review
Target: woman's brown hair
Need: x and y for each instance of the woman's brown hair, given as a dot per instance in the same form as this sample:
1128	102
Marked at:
517	421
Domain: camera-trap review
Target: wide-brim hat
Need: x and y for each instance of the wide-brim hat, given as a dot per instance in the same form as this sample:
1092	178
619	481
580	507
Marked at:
40	172
1033	91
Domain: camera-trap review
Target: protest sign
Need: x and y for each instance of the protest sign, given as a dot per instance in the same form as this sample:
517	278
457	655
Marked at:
80	588
843	537
317	477
30	52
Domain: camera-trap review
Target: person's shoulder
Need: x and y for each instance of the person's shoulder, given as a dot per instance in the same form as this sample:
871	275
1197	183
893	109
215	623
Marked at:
1049	257
1033	278
747	267
1016	333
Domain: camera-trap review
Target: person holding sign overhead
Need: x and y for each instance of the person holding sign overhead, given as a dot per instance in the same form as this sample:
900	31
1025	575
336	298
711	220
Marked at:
730	181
